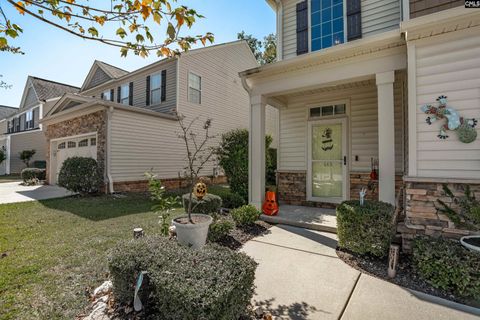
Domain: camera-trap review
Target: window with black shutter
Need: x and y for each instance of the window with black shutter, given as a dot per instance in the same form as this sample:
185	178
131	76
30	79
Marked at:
164	85
130	94
147	93
111	95
354	20
302	27
119	90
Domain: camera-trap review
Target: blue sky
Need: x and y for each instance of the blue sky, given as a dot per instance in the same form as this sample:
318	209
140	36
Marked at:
53	54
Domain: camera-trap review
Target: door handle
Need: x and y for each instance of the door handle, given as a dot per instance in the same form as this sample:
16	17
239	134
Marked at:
344	160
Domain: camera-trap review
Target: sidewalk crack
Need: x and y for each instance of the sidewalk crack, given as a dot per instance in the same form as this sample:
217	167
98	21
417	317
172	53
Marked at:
349	297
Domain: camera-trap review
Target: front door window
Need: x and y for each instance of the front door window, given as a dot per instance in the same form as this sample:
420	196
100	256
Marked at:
327	169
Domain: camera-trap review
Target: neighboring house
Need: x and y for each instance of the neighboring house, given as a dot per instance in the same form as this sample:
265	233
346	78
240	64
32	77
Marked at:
23	130
5	111
343	99
125	120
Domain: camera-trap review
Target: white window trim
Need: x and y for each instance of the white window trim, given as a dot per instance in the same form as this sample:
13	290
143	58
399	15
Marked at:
325	104
127	85
188	84
159	88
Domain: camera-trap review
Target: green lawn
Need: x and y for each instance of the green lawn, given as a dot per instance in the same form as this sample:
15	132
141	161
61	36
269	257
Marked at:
10	178
54	251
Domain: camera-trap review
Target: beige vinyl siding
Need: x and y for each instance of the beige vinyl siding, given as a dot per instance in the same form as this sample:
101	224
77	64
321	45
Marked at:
363	126
139	87
98	78
271	124
450	68
289	26
3	128
140	143
380	16
30	99
223	99
27	141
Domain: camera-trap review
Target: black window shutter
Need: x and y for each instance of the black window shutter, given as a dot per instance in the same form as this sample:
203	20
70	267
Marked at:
8	126
147	100
302	27
102	96
112	95
33	119
130	94
354	20
164	85
119	89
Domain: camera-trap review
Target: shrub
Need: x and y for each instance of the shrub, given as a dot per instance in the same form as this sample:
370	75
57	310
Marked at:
3	156
33	173
212	283
245	215
209	204
80	175
365	229
26	156
466	209
446	264
233	158
230	200
220	228
40	164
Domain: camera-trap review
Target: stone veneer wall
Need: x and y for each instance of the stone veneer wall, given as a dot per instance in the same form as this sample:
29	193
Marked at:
93	122
421	215
292	187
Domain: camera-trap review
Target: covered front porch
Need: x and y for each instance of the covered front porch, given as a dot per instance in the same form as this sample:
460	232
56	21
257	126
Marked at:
340	110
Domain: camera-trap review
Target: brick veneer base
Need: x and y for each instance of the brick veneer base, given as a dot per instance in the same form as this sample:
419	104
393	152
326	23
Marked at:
421	215
170	184
292	188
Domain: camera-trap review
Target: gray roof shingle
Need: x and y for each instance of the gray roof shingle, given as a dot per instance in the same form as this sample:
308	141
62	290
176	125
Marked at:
6	111
47	89
113	71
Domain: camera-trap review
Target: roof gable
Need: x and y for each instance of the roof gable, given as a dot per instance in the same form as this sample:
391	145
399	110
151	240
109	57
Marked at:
38	90
101	72
68	101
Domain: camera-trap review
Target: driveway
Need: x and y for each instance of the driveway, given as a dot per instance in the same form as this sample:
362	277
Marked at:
12	192
300	277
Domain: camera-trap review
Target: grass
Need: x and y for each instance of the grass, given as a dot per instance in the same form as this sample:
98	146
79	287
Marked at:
10	178
54	252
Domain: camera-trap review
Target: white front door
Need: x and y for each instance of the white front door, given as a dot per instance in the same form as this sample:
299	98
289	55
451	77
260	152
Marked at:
327	160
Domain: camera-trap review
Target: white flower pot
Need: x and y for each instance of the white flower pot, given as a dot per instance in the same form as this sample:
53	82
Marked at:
468	245
193	235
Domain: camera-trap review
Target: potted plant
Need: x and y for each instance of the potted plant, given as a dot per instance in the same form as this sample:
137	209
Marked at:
467	215
192	228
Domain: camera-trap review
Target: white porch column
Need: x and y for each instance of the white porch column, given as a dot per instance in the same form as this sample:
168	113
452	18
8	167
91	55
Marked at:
386	136
256	170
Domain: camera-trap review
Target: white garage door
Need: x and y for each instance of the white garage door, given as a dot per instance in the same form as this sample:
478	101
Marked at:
74	147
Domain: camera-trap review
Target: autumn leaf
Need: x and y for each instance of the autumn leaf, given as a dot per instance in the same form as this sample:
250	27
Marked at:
93	31
3	42
171	31
157	17
20	7
121	33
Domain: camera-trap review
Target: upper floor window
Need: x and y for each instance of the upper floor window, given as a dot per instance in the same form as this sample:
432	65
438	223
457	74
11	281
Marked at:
29	120
327	23
156	88
124	94
328	110
106	95
194	88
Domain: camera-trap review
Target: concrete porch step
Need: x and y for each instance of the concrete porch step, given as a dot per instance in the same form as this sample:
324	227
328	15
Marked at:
319	219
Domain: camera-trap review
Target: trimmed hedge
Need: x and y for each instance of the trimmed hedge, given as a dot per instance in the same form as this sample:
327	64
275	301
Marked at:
79	174
230	200
366	229
212	283
245	215
446	264
209	204
33	173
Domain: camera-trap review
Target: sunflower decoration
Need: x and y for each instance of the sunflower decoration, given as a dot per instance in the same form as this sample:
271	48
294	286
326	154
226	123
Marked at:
200	190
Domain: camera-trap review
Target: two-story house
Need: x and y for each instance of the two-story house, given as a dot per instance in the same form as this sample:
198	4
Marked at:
5	112
22	130
125	120
349	85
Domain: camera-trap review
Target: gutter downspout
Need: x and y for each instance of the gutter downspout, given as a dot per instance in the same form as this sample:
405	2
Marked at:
109	144
279	12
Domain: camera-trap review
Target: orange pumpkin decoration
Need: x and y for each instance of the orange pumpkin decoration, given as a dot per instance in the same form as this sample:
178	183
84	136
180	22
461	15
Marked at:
200	190
270	206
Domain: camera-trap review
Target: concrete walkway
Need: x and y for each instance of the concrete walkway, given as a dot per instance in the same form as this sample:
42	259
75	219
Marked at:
320	219
12	192
300	277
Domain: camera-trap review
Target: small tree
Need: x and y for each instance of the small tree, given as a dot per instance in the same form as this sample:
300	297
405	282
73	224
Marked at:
3	155
199	153
163	203
26	156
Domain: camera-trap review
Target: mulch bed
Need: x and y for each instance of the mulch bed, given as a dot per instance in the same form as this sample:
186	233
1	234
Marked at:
406	276
240	235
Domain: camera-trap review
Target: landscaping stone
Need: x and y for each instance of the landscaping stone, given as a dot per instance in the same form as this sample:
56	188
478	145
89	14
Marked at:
104	289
